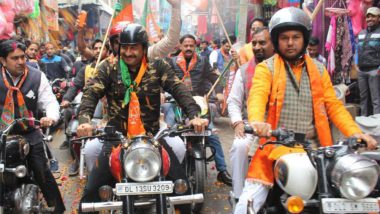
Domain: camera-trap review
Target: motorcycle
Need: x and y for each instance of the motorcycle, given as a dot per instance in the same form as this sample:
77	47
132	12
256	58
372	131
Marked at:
195	159
71	125
18	192
59	87
334	179
140	166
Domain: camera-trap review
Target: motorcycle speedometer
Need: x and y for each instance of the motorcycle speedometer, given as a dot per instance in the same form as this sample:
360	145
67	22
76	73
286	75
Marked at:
142	162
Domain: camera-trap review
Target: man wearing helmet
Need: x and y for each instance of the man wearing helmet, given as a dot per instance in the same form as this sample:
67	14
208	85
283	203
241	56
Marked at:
158	50
112	81
299	95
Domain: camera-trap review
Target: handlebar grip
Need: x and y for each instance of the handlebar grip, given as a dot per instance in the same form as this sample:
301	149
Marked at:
248	129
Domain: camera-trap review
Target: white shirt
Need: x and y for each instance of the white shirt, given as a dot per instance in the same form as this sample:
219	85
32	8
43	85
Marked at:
168	43
46	99
213	58
236	98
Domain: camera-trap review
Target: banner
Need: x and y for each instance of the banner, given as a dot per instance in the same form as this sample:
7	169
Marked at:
126	12
150	24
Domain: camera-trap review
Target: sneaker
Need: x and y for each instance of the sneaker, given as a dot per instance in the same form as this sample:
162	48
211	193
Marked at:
224	177
74	168
64	145
54	166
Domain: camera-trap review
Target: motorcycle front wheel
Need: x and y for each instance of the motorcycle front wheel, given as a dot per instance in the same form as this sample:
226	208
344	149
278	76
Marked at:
197	178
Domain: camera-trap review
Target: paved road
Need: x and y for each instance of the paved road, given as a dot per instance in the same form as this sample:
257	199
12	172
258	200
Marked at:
216	197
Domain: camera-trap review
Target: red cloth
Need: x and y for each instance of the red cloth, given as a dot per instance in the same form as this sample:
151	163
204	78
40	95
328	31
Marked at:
202	25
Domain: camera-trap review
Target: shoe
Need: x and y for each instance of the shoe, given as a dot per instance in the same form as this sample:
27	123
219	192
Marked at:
74	168
224	177
54	166
64	145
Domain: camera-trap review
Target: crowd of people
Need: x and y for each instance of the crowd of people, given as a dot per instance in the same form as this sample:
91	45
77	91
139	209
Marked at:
278	79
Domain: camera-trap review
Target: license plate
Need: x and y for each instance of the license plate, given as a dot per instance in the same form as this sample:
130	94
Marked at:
340	205
160	187
195	134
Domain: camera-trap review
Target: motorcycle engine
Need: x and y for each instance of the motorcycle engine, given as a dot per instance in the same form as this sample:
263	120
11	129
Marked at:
17	148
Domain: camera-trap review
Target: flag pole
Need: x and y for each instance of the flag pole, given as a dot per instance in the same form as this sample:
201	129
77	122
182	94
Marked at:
219	78
104	40
223	27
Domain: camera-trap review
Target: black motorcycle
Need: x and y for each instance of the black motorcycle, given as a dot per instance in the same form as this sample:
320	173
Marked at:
18	191
195	160
331	179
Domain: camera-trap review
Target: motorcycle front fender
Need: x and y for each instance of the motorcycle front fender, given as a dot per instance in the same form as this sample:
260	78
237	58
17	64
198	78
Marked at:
198	152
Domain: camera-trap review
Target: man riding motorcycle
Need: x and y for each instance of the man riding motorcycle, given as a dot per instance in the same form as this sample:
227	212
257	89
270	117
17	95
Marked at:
24	90
132	79
195	72
262	48
299	95
82	78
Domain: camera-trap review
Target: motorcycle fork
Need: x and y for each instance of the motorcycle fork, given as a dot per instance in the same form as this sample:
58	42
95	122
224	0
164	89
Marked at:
324	190
128	202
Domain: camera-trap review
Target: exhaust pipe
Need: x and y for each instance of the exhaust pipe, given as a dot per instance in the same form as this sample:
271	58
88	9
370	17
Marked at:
117	205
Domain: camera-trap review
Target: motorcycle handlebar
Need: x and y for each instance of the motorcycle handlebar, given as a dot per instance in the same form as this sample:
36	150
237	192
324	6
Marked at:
274	133
9	128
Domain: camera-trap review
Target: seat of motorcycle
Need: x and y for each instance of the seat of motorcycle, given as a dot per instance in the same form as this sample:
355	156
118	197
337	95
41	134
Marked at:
374	155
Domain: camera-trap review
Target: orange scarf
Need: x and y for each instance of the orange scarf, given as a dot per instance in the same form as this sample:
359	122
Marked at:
261	167
181	62
8	114
135	124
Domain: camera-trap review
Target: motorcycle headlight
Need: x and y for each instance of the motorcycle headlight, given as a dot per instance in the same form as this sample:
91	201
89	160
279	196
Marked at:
355	176
20	171
202	103
142	162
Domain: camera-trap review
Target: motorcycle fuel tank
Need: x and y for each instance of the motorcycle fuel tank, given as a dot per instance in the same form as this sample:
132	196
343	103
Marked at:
295	174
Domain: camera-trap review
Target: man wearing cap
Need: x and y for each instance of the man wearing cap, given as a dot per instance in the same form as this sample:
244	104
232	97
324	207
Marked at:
369	64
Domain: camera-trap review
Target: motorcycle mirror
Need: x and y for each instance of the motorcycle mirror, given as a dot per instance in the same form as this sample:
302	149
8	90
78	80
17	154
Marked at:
48	138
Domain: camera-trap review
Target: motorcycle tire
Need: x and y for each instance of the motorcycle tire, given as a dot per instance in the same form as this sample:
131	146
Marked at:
197	171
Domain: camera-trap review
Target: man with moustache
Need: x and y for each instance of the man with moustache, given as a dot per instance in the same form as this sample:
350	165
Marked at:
262	49
194	70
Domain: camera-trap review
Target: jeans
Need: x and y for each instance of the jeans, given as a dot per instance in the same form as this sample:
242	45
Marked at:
369	87
213	140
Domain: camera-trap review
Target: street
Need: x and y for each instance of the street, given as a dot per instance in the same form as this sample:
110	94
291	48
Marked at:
216	195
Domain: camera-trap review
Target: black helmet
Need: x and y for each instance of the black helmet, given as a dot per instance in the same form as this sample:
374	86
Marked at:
290	18
134	34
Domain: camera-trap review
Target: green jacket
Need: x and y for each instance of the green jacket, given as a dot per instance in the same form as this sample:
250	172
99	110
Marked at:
108	83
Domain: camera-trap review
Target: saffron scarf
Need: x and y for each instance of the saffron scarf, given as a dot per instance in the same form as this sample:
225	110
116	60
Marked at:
135	125
181	62
8	114
260	169
250	71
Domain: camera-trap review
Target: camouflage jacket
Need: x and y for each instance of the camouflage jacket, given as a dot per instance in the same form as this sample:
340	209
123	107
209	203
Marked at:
108	83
